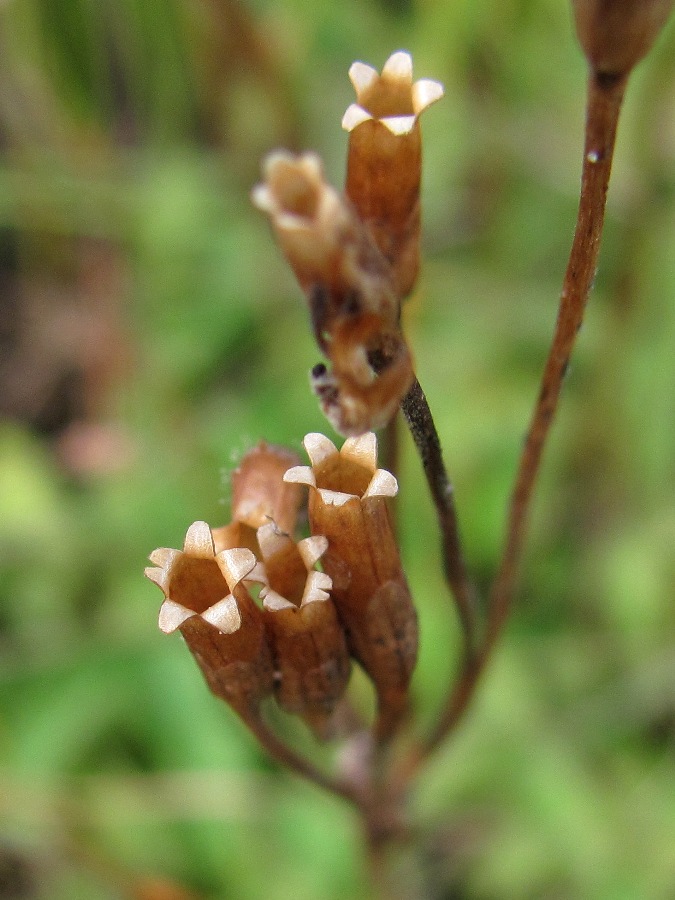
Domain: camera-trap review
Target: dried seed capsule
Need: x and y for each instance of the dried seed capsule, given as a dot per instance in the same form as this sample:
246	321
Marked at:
337	264
616	34
207	601
260	495
308	643
352	398
259	492
353	303
348	504
384	163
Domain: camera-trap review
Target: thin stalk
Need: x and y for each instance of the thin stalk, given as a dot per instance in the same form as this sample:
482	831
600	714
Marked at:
604	99
415	409
287	757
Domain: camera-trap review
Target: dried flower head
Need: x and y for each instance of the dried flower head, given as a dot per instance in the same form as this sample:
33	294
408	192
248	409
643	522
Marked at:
206	600
384	164
353	397
348	504
354	306
260	495
312	665
259	492
616	34
331	254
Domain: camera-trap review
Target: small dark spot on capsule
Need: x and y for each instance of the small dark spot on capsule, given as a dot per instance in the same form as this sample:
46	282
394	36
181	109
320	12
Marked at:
352	303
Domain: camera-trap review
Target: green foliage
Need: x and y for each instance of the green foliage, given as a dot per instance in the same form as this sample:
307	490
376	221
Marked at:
139	125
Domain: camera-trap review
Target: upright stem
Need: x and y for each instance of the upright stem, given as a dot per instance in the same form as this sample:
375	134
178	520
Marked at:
604	99
605	96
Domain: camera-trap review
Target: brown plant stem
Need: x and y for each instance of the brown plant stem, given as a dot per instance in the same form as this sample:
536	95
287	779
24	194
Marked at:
285	756
415	409
604	99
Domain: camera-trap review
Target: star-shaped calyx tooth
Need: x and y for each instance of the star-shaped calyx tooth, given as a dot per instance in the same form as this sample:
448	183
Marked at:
236	565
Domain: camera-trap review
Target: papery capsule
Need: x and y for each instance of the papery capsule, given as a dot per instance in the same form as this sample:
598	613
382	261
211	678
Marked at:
354	306
348	504
337	265
384	164
206	600
259	492
260	495
312	664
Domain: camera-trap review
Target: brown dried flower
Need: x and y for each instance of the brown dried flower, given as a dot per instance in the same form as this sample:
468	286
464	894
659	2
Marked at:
260	495
348	504
207	601
312	665
331	254
384	164
354	306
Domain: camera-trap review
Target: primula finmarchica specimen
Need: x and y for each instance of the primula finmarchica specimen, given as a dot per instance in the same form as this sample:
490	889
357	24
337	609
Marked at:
342	593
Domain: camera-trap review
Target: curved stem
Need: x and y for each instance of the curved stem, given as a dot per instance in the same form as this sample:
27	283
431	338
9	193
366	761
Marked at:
287	757
415	408
604	99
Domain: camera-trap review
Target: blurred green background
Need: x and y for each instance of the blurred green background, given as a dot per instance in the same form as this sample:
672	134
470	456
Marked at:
150	333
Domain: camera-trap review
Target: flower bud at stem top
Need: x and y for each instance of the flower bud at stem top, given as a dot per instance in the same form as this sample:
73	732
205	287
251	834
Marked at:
617	34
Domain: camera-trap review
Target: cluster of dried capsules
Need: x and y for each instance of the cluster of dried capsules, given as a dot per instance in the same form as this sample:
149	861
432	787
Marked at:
297	640
356	257
356	254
